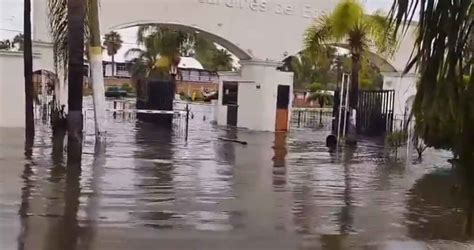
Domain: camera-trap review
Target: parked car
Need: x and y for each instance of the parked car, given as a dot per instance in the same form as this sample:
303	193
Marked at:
115	92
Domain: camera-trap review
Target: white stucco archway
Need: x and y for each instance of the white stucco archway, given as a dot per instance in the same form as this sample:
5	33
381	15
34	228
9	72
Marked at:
260	32
267	30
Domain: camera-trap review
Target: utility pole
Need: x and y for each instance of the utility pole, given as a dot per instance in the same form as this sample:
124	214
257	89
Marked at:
76	15
28	73
97	76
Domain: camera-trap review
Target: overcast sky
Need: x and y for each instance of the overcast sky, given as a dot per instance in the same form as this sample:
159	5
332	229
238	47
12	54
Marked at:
11	21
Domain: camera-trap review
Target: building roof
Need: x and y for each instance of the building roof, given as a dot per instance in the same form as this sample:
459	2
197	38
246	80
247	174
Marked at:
189	63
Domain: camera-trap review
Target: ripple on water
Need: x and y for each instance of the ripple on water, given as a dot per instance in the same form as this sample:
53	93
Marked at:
152	180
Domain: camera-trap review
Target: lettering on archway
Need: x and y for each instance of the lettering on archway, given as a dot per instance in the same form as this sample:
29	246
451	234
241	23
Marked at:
267	7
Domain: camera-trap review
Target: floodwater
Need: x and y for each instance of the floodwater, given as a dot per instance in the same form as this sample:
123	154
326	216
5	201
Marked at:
147	188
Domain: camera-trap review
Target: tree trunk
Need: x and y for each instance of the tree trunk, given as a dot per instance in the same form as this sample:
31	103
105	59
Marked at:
97	76
113	65
353	100
76	15
28	72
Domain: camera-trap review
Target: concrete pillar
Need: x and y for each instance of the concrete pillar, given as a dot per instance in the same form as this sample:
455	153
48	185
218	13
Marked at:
404	86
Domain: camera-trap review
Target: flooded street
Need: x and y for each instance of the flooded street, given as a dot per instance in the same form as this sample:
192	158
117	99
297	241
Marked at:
148	188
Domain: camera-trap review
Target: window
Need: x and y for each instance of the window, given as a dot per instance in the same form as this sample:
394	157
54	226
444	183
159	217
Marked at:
230	96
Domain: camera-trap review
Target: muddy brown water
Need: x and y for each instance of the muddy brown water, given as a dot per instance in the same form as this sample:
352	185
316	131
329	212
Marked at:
147	188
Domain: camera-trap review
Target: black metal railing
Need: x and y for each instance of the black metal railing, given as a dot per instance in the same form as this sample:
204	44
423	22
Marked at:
312	118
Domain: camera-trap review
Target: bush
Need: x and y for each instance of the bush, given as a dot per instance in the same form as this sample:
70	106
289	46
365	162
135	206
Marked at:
396	140
127	88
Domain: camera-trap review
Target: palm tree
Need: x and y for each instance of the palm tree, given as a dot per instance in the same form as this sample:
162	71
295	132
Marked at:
58	21
191	44
221	60
161	51
444	103
349	27
28	71
76	13
303	68
19	39
113	43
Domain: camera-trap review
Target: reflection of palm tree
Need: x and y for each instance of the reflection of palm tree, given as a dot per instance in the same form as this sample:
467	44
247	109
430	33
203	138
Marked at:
155	173
71	207
346	216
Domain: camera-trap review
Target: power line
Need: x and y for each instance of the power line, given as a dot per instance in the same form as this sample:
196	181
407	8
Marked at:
10	30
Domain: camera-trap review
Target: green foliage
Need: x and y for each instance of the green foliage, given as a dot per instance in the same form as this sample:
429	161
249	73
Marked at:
211	57
349	27
444	103
395	140
164	42
127	88
317	93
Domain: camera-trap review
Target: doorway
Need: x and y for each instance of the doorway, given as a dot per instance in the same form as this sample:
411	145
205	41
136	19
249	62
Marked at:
230	99
283	102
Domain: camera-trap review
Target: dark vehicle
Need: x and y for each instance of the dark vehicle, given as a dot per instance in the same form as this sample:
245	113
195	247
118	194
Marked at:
115	92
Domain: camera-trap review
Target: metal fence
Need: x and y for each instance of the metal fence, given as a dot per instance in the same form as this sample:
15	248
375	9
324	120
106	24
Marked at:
312	118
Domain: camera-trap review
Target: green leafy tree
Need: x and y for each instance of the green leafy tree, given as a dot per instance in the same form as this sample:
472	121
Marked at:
221	60
161	51
444	103
113	43
318	93
350	27
188	45
303	69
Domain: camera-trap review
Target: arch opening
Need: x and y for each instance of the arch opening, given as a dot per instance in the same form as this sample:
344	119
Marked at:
192	29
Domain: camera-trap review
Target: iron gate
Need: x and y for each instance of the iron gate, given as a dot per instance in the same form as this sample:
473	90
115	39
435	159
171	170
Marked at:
375	112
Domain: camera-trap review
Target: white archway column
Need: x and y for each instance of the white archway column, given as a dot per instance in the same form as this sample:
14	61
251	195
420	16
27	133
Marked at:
404	86
257	94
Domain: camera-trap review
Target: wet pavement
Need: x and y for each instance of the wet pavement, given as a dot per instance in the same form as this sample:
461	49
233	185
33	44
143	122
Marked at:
147	188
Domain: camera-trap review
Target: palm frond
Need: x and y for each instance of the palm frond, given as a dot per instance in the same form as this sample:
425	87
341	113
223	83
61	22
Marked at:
58	28
380	29
443	105
318	35
58	25
345	16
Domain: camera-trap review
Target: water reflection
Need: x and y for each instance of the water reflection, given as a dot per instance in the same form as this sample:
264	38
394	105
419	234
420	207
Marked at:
279	160
154	166
147	187
436	208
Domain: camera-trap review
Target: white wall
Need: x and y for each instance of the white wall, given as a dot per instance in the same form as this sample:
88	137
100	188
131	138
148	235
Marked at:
250	105
404	86
108	70
257	106
243	27
12	90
